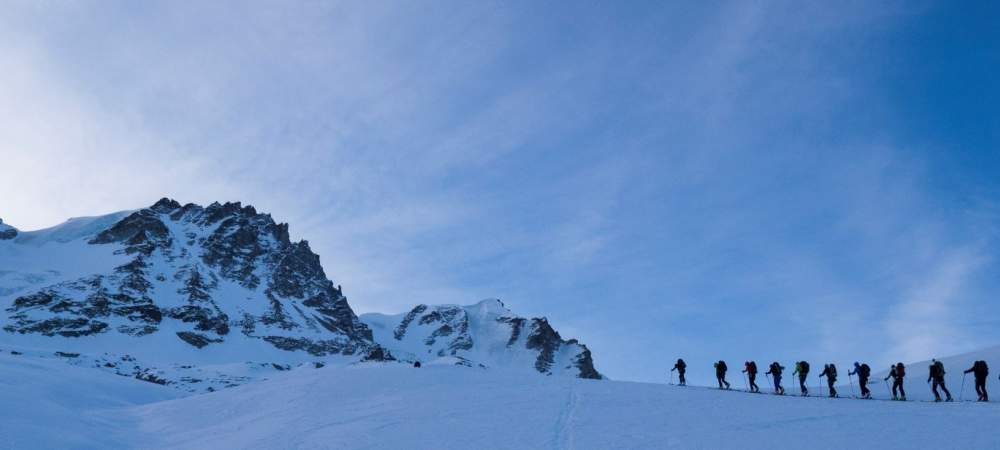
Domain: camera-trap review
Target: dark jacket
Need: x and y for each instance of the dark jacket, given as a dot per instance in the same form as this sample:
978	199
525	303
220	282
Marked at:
935	371
861	370
829	371
896	371
979	370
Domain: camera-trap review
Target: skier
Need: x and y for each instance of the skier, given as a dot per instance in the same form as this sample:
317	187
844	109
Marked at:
863	372
802	369
897	373
980	371
680	367
830	372
775	371
720	374
751	371
936	375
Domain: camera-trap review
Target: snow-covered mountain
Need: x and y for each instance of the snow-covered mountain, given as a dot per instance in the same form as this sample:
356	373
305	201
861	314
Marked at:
486	334
211	297
200	297
201	275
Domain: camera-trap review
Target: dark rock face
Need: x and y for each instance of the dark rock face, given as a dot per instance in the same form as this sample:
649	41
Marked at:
378	354
544	339
401	329
212	269
196	339
7	232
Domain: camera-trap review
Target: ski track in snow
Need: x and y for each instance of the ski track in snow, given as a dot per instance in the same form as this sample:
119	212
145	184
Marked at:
565	435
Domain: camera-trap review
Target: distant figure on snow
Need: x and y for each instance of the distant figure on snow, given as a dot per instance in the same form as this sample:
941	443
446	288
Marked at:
897	373
802	369
775	372
863	372
720	374
416	364
751	371
936	374
680	367
830	372
980	371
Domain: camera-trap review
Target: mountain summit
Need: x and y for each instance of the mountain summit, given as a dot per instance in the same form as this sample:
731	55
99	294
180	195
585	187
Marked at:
202	274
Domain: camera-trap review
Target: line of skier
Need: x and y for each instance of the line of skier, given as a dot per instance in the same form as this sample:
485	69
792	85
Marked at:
897	372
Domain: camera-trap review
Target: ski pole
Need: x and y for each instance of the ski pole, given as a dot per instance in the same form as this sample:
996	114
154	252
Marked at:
769	382
746	384
887	390
671	377
851	379
962	391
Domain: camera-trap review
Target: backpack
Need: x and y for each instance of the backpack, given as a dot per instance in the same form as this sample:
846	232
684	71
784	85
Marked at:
865	371
939	366
980	369
900	370
833	370
805	367
722	366
752	367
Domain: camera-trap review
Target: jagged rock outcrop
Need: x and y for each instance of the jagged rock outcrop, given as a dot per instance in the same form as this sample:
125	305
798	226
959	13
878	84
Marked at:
6	231
485	334
211	272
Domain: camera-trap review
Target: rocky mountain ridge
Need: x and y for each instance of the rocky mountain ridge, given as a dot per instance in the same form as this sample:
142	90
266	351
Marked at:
206	274
210	297
484	334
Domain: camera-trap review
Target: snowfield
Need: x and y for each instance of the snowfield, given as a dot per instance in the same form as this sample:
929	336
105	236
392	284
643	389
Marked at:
49	404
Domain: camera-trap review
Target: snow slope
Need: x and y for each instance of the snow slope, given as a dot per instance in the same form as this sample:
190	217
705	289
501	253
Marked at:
48	404
916	384
390	405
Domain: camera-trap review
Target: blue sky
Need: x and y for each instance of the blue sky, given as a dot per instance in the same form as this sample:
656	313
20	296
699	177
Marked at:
713	180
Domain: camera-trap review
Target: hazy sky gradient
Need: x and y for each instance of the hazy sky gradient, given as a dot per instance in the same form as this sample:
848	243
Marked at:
776	180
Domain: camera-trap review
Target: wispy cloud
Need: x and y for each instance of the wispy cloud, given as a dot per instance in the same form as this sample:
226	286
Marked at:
721	179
